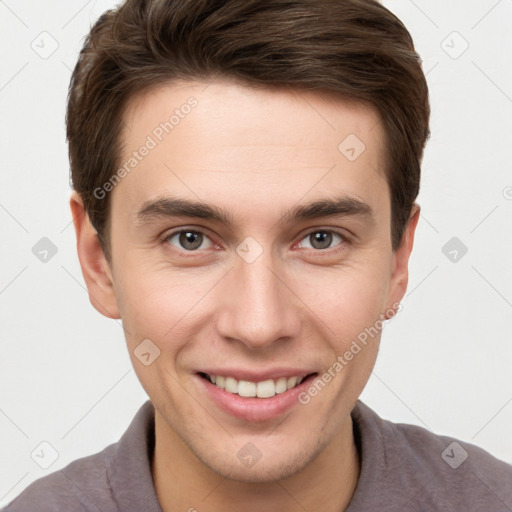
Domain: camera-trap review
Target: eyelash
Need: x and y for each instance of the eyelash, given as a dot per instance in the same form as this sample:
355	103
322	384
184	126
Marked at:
186	254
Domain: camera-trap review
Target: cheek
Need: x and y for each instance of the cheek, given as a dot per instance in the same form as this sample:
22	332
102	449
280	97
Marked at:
347	300
158	304
349	308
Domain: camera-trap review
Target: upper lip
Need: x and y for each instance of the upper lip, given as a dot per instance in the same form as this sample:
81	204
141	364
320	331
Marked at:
257	376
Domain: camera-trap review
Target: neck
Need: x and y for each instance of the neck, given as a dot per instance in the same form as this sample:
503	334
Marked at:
183	482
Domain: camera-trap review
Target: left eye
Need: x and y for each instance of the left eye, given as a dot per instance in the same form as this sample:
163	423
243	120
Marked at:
321	239
189	239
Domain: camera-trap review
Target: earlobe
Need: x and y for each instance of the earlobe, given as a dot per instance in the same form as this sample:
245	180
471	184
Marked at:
95	267
400	270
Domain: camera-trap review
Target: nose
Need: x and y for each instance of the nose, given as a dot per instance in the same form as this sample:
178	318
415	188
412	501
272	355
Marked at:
258	306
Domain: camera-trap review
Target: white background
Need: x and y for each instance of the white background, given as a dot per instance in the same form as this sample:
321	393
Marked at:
445	360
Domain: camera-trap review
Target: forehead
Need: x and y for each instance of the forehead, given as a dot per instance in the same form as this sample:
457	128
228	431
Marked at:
259	114
225	141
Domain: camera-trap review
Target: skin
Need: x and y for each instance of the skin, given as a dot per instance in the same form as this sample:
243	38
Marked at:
256	154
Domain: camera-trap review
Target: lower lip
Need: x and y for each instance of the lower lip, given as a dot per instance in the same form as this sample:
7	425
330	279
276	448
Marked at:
255	409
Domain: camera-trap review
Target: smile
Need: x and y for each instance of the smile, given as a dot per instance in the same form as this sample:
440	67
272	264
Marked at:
254	398
263	389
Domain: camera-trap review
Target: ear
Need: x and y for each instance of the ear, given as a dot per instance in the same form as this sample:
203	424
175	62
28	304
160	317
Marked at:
95	267
400	263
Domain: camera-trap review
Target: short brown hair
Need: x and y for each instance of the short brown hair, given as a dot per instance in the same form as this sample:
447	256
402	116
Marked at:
356	49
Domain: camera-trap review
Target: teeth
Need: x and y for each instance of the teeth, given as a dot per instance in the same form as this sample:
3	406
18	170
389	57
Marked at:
264	389
231	385
281	385
290	383
246	388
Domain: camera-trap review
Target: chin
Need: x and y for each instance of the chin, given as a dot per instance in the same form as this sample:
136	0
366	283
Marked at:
267	465
261	472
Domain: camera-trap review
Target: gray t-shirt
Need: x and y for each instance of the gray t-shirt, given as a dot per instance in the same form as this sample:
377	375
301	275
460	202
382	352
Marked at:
404	468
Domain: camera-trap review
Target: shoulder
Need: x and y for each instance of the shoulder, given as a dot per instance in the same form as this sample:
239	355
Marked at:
81	485
116	478
428	471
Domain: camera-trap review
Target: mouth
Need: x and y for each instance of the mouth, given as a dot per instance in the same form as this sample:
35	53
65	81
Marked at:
263	389
256	399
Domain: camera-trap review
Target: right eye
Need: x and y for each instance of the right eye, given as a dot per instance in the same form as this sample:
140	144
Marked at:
188	240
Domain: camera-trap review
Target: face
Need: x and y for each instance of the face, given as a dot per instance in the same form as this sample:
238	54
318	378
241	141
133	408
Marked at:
226	258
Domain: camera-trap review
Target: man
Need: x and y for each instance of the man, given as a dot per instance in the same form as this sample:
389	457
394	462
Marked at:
245	179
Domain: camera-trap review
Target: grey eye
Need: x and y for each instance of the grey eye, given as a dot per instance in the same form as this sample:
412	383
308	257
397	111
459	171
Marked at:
321	239
188	239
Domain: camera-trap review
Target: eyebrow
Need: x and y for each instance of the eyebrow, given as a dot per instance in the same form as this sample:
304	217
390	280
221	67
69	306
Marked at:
178	207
